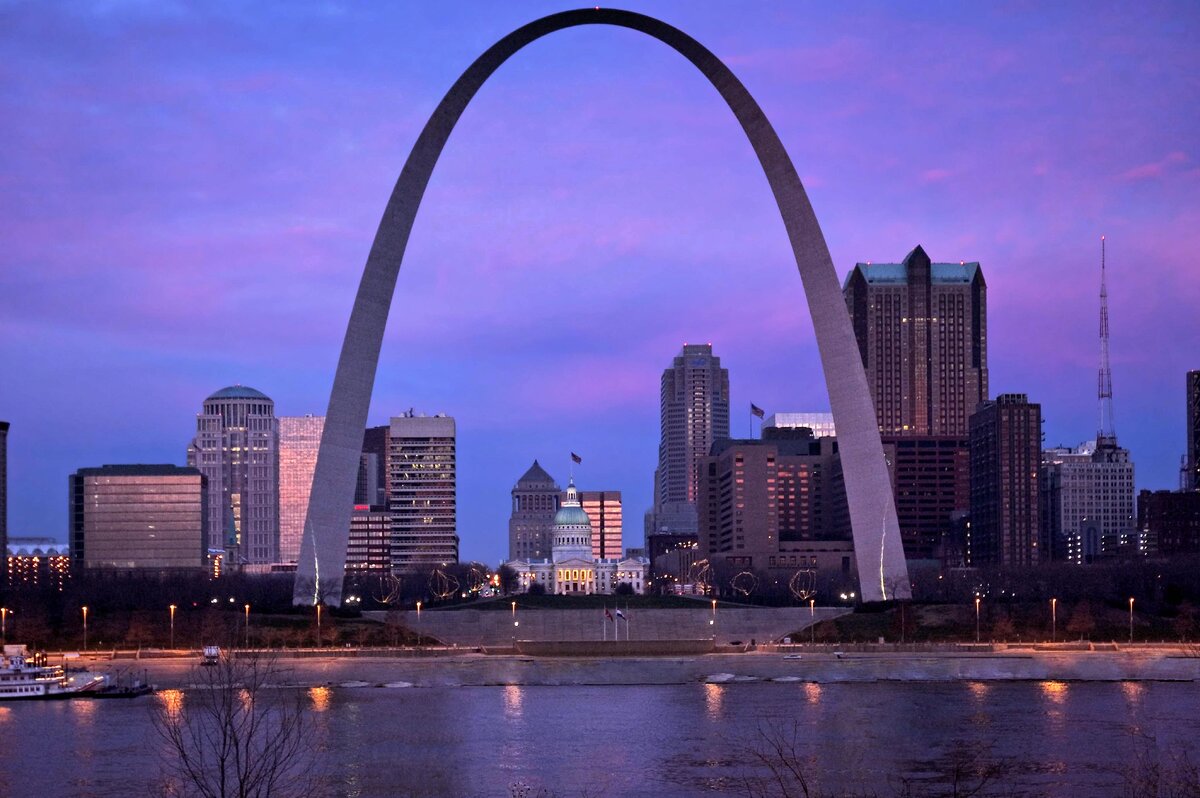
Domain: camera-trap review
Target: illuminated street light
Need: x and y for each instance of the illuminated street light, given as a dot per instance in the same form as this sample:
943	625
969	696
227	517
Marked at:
247	626
1131	620
977	619
84	608
1053	620
4	612
172	609
418	623
318	626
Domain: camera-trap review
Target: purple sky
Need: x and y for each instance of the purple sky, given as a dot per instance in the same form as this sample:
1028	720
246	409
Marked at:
187	198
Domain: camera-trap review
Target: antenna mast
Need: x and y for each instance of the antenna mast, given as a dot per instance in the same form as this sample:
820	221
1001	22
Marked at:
1107	435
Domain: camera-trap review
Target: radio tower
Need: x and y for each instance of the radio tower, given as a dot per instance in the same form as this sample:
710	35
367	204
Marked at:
1106	438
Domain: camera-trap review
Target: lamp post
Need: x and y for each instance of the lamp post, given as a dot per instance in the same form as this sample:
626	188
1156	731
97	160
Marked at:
418	623
318	626
713	621
1131	621
812	621
247	626
977	619
1053	620
172	609
84	608
4	611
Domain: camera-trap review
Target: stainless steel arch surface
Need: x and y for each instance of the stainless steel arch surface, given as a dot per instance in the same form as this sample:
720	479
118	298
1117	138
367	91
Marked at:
878	552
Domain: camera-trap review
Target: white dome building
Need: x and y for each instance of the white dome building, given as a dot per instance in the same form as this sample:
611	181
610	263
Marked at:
572	569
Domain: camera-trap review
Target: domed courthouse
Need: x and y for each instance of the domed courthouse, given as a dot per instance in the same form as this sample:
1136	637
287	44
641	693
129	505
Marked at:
571	568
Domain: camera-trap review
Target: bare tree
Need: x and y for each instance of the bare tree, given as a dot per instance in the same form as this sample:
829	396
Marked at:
232	737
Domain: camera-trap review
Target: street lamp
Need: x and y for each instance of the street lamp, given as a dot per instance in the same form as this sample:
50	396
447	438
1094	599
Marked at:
1053	620
418	623
84	627
977	619
247	626
172	609
812	620
4	611
318	626
1131	620
713	621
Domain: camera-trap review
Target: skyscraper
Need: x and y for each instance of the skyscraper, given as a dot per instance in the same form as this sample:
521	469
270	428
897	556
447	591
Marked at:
604	508
1087	492
299	443
422	491
372	467
694	412
1192	472
922	333
1085	488
138	517
535	499
821	424
1006	437
237	449
3	485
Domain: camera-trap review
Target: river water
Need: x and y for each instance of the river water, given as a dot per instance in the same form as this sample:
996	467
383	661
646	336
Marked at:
1045	738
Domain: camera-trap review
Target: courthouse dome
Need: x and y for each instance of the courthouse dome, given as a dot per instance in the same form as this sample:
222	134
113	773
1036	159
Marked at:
239	392
571	513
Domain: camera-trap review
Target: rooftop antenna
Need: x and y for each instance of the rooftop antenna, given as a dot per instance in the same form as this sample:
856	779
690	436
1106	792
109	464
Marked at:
1107	435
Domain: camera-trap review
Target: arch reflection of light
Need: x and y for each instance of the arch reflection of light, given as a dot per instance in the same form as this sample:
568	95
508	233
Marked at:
513	701
320	698
812	692
714	695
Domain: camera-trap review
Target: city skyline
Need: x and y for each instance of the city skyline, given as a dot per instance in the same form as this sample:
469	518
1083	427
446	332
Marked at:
143	324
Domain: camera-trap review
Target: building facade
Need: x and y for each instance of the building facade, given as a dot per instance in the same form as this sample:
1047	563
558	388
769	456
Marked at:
422	491
535	500
764	503
369	549
372	467
299	444
694	412
34	562
1192	457
1087	508
1169	521
604	509
237	449
931	480
138	517
1006	436
922	334
571	568
821	424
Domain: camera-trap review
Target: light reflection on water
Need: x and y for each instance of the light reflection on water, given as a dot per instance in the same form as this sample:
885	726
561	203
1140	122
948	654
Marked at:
713	696
320	697
512	702
812	692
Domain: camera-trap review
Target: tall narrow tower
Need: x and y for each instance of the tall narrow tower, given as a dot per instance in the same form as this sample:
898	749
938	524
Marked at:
1106	437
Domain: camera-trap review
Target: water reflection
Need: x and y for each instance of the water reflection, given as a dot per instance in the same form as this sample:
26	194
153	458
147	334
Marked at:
5	714
172	701
1133	691
1056	694
320	698
979	691
812	692
714	694
513	700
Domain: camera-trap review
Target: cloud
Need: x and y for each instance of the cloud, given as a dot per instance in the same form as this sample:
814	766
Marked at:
1155	169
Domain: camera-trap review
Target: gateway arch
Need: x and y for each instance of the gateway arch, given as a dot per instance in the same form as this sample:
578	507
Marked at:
878	551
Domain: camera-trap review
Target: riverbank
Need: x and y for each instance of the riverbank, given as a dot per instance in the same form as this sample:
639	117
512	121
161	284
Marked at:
478	670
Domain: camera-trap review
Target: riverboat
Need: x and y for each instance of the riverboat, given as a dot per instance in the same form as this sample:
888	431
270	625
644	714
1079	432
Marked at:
24	679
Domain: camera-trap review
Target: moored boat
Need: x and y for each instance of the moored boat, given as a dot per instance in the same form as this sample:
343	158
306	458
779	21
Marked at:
26	678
